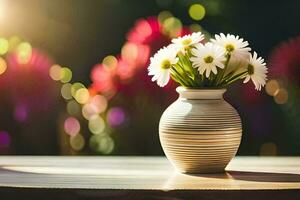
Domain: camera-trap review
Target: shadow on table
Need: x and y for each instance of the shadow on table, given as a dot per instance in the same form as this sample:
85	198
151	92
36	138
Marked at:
253	176
264	176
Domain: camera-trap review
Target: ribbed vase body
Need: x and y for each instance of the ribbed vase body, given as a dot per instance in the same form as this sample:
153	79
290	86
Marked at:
200	132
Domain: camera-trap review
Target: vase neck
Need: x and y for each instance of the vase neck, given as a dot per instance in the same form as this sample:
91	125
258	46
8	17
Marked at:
188	93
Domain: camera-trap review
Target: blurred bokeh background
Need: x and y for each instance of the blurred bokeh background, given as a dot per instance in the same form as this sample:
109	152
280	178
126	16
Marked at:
73	77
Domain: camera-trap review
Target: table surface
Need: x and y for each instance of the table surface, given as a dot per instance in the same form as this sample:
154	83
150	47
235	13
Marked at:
145	173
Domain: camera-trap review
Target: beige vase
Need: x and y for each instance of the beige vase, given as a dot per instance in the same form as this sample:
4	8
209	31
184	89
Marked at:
200	132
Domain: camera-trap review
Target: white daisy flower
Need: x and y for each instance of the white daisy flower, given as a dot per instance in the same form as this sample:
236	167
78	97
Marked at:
187	41
234	45
160	65
238	65
207	58
257	71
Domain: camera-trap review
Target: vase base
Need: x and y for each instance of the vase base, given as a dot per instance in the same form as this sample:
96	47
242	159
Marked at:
202	171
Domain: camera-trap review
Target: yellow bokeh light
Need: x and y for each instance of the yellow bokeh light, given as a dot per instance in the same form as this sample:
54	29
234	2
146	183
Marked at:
73	108
102	143
55	72
110	61
66	75
195	28
89	110
96	124
281	96
82	95
4	45
77	142
13	41
66	91
172	27
3	65
129	52
272	87
76	86
97	104
197	11
268	149
100	102
24	52
162	16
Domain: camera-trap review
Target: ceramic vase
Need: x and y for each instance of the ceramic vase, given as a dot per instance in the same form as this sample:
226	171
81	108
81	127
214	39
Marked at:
200	132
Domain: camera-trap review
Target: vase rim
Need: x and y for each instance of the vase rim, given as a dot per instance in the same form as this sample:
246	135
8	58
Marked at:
200	93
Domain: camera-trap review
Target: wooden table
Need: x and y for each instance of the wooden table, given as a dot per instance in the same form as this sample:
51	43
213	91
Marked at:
145	178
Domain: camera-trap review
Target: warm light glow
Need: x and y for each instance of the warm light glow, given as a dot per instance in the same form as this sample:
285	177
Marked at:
162	16
96	124
4	45
75	87
71	126
77	142
195	28
100	102
4	139
281	96
73	108
82	95
66	91
172	27
102	143
97	104
110	61
24	51
3	65
197	11
66	75
13	41
268	149
272	87
55	72
129	52
21	113
89	110
116	116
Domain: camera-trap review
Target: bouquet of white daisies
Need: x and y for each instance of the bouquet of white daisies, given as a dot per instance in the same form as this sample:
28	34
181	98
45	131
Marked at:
218	63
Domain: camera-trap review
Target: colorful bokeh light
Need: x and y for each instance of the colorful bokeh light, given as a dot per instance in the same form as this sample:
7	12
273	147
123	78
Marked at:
281	96
268	149
4	139
272	87
82	95
3	65
197	12
55	72
96	124
66	75
102	143
21	113
116	116
73	108
24	52
66	91
72	126
4	45
77	142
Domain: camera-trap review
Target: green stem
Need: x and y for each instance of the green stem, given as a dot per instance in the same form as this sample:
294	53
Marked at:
176	79
235	78
179	76
222	72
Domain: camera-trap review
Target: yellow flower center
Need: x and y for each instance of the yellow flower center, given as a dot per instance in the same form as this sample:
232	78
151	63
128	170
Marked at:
166	64
208	59
186	41
250	69
229	47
